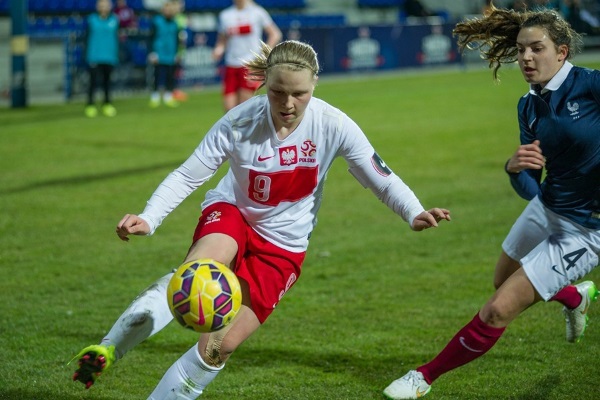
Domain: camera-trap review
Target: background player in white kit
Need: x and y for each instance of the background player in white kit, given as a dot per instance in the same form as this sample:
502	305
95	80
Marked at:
241	30
259	217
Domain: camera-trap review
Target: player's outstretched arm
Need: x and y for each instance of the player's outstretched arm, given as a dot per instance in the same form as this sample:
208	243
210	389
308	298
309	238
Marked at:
131	224
430	219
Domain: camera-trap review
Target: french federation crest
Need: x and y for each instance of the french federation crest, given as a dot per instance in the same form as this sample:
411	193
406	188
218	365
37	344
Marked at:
573	108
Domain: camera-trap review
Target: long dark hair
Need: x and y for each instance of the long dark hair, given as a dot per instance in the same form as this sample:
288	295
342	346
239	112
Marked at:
495	34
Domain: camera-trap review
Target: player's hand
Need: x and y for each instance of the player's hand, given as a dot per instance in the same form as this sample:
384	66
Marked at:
131	224
217	53
430	219
527	156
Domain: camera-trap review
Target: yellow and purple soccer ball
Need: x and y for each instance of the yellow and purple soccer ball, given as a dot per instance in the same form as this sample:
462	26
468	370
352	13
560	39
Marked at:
204	295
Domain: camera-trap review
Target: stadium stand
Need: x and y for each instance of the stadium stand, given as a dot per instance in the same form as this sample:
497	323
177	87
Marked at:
49	7
62	17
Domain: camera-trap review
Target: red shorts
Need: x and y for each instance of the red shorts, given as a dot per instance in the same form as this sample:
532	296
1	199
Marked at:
270	271
235	78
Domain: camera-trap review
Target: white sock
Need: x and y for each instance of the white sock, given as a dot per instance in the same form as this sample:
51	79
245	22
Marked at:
168	96
186	378
155	96
146	315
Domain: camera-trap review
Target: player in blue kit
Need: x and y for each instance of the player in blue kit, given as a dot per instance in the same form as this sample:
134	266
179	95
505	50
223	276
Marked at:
101	55
556	240
164	40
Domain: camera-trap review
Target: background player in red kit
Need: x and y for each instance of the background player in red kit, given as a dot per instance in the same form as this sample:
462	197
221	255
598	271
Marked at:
241	30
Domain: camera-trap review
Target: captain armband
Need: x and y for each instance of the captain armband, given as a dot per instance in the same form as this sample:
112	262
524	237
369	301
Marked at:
368	175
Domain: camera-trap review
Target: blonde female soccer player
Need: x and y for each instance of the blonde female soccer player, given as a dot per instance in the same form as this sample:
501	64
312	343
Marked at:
259	217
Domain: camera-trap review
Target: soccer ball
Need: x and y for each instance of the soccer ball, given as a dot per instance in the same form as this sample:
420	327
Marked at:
204	295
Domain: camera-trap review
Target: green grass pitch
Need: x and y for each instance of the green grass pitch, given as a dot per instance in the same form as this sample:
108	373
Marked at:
375	299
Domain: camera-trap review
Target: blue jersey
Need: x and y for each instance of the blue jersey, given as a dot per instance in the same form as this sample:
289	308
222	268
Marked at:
165	39
565	118
102	44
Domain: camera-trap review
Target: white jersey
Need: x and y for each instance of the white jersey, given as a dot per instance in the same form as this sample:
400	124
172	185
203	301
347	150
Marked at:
278	184
244	31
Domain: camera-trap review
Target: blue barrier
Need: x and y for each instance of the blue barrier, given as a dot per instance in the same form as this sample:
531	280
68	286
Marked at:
75	23
286	21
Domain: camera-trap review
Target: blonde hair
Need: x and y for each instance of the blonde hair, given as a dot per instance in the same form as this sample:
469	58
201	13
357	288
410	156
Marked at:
291	54
495	34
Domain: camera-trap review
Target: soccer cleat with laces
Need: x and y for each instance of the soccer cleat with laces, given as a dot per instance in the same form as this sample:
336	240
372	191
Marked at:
577	317
410	386
93	360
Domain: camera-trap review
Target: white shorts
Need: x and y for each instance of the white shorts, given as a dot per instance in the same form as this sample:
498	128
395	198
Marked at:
554	251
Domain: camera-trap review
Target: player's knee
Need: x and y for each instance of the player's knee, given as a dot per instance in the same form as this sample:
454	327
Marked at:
494	314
